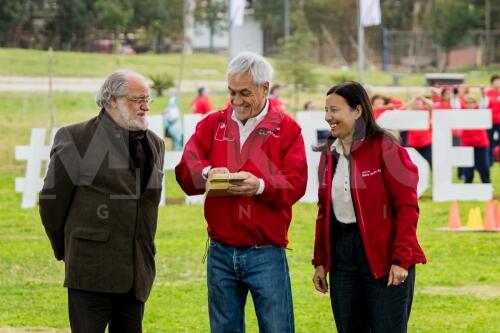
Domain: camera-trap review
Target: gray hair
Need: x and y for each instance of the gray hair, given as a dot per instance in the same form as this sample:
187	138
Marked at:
115	85
260	69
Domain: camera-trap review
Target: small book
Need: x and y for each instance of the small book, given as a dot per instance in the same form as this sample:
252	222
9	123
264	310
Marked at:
218	184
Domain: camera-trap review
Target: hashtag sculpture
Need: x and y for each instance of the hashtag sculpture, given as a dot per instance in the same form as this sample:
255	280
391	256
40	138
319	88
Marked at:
34	155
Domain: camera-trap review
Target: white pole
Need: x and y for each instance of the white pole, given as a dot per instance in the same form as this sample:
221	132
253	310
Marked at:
50	97
361	46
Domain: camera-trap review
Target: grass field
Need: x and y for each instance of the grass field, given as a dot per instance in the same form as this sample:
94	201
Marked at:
198	66
457	291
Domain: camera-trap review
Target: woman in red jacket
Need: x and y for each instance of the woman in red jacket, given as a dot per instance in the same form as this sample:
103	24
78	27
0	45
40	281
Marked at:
367	218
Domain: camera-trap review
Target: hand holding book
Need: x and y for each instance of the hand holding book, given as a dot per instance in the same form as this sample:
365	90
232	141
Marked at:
228	184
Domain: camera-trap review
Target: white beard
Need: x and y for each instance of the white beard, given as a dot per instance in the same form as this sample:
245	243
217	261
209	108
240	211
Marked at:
131	123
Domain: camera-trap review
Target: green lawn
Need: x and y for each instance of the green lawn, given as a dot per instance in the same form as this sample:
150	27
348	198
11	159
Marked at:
457	291
32	295
197	66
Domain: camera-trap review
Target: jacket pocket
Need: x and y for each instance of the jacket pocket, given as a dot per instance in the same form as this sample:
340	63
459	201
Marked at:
97	235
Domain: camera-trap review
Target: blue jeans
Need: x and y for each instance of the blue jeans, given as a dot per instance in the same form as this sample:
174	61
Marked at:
262	270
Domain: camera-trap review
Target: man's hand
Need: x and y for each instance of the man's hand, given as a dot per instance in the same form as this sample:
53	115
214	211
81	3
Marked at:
247	187
319	279
218	170
397	275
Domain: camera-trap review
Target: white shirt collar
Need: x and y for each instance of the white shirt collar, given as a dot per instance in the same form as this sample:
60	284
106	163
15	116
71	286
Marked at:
337	146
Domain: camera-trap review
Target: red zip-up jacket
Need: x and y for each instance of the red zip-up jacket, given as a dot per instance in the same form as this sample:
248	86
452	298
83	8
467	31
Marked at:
494	104
383	186
420	138
274	152
475	138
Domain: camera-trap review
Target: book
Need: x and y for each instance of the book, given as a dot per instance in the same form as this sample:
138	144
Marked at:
219	183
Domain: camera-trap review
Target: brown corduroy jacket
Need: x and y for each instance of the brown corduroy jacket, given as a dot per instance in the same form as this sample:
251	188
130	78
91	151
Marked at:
94	213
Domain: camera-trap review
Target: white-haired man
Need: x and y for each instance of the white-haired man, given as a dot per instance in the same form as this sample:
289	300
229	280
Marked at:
99	207
248	228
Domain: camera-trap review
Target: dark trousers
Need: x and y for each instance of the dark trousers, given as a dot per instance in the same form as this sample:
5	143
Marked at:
494	136
403	138
361	303
426	153
481	164
91	312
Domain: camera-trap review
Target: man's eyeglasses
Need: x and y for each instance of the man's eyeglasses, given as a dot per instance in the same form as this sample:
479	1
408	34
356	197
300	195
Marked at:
141	100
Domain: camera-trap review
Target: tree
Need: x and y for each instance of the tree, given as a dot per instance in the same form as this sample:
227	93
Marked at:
160	19
450	21
293	62
17	22
70	24
333	23
213	13
270	15
114	16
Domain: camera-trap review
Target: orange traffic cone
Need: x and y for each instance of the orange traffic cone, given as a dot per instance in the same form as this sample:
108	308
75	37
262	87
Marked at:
454	216
489	216
497	214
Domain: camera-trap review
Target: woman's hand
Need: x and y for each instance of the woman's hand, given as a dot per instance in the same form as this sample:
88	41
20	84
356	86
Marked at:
319	279
397	275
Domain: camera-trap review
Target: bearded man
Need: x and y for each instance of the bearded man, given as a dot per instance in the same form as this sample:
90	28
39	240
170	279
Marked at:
99	207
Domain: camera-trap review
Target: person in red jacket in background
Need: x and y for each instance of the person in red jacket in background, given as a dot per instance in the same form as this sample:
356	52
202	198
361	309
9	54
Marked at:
248	229
445	104
275	96
478	139
492	96
367	219
421	140
201	104
380	104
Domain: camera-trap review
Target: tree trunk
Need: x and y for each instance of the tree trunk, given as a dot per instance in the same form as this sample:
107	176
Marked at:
211	41
412	51
446	62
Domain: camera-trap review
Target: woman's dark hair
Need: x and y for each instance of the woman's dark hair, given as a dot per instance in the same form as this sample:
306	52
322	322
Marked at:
354	94
494	77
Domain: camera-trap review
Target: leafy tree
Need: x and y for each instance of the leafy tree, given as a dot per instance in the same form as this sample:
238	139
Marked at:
159	18
17	18
293	63
213	13
270	15
70	24
450	21
336	19
114	15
